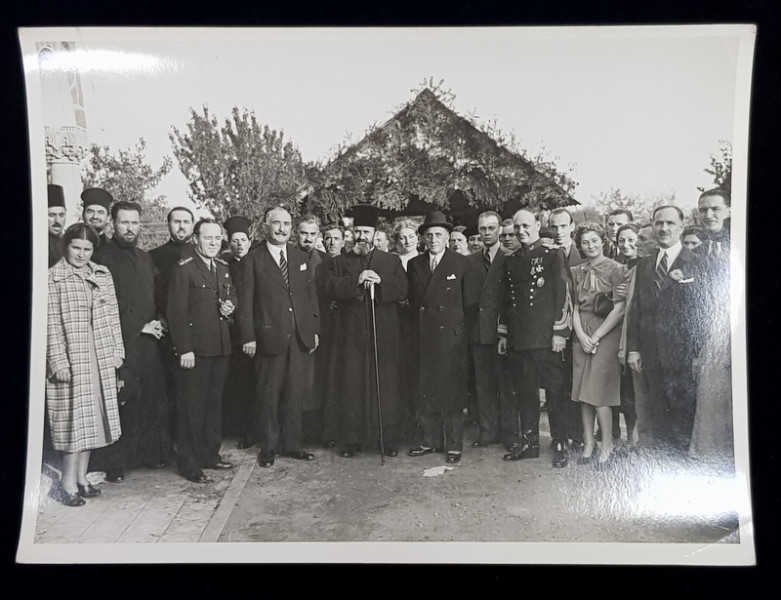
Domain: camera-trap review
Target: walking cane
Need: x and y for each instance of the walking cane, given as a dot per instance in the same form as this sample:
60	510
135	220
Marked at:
377	372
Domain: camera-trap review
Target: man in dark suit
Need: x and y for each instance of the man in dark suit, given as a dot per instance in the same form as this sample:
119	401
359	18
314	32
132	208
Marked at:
663	336
201	299
239	398
278	322
482	296
535	318
308	233
436	295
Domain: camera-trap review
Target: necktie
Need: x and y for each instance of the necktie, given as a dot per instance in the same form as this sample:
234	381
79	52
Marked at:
714	247
661	272
487	259
283	268
433	263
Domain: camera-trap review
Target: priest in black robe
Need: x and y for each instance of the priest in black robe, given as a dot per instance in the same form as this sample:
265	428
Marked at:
351	392
145	439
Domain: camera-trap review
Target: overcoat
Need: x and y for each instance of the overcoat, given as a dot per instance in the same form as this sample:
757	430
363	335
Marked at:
70	405
437	304
352	384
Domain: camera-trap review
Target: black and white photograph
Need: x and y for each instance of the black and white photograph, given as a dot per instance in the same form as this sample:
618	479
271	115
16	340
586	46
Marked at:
388	295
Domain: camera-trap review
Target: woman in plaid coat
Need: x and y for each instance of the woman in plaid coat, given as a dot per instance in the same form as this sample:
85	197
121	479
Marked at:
84	349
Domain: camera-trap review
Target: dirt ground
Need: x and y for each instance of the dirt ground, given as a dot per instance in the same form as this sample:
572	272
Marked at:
642	499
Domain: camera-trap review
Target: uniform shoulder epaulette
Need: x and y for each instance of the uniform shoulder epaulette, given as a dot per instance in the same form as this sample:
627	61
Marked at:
220	260
184	261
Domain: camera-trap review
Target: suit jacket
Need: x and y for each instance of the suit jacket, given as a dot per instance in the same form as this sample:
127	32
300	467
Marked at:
270	312
536	303
437	305
665	327
482	297
194	320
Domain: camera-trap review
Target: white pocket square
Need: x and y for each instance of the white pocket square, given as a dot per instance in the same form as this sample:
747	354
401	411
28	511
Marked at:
303	267
451	276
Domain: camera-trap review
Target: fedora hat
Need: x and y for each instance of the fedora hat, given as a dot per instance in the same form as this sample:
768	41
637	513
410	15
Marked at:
435	219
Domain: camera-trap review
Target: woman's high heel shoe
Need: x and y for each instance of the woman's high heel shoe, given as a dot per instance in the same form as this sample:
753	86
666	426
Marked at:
63	497
88	491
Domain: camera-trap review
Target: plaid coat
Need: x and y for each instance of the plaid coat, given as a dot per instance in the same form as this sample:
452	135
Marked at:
69	405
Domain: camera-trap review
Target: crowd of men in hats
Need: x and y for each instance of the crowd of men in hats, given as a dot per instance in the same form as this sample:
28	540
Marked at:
362	339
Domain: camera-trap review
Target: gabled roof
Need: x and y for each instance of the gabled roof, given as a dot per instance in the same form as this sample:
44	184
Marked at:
428	157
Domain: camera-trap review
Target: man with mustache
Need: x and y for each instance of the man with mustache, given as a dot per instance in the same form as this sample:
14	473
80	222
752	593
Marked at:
352	415
56	222
96	203
143	410
278	324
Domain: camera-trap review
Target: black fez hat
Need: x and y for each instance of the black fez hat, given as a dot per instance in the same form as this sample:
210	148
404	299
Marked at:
470	231
435	219
98	196
365	215
56	195
237	224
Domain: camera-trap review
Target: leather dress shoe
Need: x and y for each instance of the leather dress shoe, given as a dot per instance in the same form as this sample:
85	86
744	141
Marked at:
198	477
115	477
392	452
300	455
481	444
266	459
559	455
347	453
421	451
245	442
87	491
519	452
221	465
63	497
453	457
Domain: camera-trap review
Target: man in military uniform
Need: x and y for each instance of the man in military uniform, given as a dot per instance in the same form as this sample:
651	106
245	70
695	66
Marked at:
56	222
96	204
535	318
201	300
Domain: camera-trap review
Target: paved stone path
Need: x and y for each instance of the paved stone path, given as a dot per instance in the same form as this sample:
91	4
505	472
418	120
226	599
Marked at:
150	506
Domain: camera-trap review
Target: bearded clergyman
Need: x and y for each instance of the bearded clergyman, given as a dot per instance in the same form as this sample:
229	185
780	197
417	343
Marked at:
352	416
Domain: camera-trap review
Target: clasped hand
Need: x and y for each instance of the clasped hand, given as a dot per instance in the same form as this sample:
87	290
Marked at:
368	277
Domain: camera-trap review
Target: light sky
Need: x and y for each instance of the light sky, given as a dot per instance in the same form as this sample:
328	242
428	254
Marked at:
638	109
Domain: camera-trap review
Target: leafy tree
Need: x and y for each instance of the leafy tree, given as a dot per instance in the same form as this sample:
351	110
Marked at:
720	167
126	175
240	167
426	153
641	207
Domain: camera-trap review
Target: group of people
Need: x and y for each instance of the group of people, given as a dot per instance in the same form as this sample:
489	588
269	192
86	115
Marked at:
366	339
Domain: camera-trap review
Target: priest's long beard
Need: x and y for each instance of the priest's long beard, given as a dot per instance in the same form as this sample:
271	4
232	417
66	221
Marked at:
362	248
